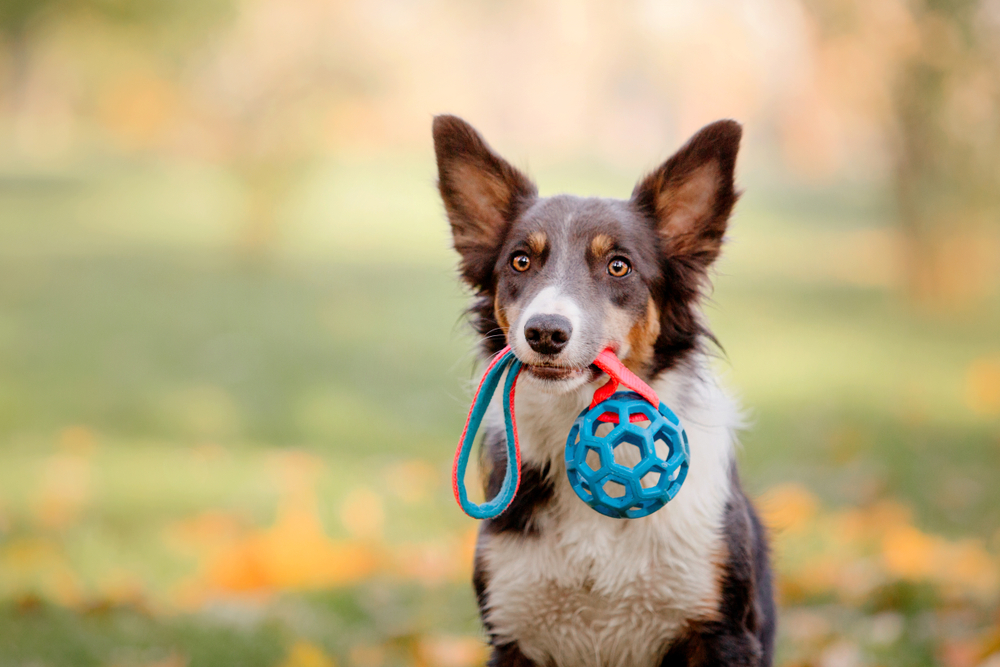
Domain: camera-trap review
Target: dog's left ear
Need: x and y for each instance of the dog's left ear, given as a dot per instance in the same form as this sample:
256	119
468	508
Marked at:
690	196
482	195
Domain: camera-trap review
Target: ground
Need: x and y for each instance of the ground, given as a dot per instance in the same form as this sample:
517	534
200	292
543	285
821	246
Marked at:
213	457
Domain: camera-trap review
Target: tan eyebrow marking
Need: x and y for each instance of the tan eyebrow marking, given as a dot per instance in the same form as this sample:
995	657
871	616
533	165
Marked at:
500	315
601	244
537	242
642	339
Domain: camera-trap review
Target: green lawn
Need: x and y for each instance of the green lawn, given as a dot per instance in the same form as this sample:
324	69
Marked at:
150	374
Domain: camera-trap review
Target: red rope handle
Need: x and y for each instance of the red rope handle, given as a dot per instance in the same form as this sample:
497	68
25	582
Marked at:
608	362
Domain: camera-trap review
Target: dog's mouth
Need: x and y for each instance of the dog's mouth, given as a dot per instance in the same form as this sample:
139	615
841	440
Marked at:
562	373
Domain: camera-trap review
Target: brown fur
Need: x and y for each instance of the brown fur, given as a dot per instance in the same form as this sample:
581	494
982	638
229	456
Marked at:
537	242
482	195
500	315
601	245
642	340
692	194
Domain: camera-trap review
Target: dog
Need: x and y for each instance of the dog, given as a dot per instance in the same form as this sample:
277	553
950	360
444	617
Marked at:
559	279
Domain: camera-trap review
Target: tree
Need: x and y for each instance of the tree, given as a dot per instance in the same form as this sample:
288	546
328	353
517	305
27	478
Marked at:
947	159
942	129
22	22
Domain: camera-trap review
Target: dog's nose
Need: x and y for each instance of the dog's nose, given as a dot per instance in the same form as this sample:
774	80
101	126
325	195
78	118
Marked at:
547	334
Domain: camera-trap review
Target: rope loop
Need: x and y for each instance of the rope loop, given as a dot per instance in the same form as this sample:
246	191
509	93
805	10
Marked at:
503	361
506	361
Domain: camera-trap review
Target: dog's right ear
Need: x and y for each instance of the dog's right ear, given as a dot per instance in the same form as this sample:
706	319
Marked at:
690	196
482	194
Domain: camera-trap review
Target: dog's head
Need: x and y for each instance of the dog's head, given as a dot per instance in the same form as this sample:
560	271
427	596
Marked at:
561	278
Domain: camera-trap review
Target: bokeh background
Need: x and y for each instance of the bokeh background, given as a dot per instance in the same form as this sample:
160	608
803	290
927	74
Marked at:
233	364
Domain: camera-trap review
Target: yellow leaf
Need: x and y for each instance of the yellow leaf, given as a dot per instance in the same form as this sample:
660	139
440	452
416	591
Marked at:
982	386
446	651
909	553
306	654
787	507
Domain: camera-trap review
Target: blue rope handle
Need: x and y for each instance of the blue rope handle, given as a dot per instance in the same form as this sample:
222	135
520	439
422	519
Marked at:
512	477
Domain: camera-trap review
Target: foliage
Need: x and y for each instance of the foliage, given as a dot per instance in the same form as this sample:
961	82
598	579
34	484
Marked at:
940	79
199	467
208	460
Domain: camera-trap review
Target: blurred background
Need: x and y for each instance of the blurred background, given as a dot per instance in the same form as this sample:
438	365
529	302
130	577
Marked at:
233	364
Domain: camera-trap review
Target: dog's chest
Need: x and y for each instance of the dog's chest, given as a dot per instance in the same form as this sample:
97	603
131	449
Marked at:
583	590
599	591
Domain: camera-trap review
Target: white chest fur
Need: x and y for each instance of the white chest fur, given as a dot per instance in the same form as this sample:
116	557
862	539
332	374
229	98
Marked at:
589	590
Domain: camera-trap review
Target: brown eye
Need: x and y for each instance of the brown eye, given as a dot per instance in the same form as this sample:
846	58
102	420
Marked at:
619	267
520	262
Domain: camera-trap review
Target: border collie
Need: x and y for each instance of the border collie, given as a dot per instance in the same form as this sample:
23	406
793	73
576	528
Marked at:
559	279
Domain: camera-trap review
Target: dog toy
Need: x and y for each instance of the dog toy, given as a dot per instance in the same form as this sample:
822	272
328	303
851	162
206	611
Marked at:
626	454
640	461
504	360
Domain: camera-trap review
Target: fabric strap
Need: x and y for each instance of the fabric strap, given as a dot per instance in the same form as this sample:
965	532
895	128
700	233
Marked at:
506	361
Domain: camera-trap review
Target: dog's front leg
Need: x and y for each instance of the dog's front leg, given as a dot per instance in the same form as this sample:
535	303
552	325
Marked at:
742	635
716	645
508	655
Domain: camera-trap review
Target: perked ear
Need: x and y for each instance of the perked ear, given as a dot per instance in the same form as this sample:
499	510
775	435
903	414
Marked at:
691	195
482	195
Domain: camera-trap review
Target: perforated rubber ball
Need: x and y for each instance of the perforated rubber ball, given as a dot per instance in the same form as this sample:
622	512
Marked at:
625	458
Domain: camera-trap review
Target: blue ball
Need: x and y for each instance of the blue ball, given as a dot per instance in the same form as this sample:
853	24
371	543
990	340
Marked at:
631	468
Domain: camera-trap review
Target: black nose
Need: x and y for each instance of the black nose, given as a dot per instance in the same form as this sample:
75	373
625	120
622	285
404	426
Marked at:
547	334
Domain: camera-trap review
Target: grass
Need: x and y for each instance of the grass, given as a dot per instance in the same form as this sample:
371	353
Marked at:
154	381
44	634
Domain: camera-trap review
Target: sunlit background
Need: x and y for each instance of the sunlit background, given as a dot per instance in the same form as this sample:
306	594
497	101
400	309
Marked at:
233	365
